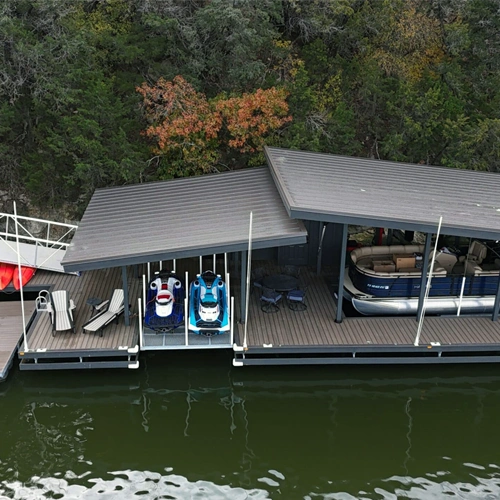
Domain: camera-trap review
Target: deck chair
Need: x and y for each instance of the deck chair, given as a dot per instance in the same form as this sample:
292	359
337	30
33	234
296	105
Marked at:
291	270
270	300
296	299
111	310
60	307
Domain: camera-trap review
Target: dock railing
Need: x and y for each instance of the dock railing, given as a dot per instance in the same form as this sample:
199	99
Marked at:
42	243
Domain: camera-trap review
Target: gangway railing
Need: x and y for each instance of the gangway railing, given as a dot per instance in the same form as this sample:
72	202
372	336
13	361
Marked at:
42	246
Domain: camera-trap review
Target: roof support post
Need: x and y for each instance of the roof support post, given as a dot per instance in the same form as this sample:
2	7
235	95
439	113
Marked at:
243	285
423	279
494	316
319	255
343	251
126	311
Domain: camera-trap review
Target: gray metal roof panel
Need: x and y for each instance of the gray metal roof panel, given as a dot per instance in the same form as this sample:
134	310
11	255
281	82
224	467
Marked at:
181	218
343	189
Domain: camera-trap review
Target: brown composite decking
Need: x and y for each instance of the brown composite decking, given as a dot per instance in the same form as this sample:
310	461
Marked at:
317	327
311	328
100	284
11	330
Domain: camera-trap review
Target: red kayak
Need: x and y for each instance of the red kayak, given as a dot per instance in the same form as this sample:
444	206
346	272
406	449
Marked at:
26	274
6	273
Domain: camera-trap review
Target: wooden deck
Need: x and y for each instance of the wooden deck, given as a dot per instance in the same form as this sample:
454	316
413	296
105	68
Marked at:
317	327
11	331
100	284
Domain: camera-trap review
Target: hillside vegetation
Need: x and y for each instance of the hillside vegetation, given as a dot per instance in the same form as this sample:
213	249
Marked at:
108	92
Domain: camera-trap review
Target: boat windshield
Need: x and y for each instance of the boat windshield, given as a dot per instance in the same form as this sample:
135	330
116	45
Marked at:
208	304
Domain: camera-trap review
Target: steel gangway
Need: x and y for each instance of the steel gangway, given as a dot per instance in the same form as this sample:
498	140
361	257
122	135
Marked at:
42	243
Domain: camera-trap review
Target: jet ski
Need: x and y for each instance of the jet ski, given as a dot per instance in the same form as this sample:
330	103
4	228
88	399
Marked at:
165	302
208	305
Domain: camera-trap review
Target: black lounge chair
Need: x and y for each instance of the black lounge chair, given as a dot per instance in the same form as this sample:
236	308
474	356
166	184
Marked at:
109	311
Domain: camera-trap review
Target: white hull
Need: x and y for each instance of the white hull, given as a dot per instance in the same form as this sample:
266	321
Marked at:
434	305
368	305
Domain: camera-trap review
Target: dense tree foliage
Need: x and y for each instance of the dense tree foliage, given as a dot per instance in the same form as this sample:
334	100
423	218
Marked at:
406	80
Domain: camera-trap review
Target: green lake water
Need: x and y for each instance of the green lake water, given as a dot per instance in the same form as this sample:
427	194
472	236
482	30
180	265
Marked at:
188	425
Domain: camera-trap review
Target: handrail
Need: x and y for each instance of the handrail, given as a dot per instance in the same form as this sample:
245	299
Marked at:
34	219
28	236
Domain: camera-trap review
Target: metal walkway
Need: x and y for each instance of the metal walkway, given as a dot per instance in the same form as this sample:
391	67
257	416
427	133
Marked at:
42	243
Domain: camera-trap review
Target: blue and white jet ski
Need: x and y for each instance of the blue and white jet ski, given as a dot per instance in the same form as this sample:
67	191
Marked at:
165	302
208	307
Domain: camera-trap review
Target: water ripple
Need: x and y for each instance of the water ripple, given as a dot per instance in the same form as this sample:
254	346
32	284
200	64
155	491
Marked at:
130	485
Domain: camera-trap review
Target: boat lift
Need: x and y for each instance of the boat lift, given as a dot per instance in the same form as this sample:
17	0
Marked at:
182	338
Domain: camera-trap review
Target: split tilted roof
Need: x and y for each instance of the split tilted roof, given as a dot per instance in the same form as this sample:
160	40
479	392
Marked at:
210	214
181	218
331	188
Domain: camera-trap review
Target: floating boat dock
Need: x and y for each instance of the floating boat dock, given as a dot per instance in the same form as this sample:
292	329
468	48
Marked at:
314	337
118	348
302	205
11	327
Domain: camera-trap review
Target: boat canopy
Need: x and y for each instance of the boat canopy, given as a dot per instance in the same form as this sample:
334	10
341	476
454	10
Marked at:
167	220
377	193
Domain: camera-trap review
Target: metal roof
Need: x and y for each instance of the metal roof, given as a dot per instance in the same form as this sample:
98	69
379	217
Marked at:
332	188
181	218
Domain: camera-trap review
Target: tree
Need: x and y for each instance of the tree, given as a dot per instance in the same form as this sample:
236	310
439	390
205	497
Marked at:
196	133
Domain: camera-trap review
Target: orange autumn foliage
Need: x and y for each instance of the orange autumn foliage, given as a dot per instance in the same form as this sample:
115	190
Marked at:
250	117
185	120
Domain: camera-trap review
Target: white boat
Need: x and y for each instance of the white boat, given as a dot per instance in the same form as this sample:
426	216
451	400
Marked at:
376	285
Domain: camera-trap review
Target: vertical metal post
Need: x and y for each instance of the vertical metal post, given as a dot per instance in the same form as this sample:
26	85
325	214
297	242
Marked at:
494	317
243	281
186	310
231	340
423	279
144	294
201	264
319	255
249	269
428	284
141	331
186	327
214	264
343	251
126	312
25	340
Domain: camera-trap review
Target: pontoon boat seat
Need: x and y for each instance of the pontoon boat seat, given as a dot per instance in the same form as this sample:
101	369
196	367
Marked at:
444	260
115	307
363	257
477	252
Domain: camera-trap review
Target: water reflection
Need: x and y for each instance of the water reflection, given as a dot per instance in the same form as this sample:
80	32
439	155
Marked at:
198	430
